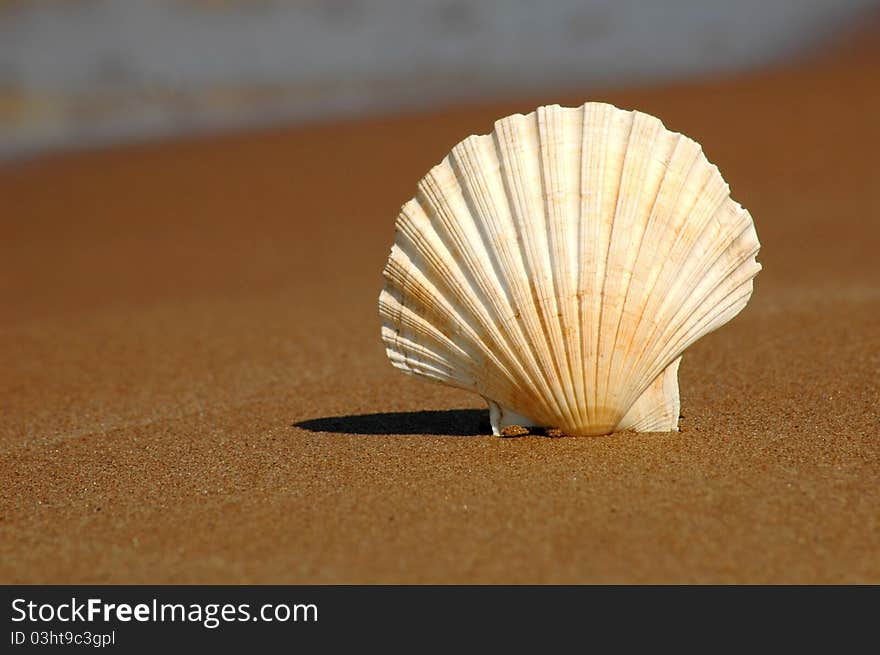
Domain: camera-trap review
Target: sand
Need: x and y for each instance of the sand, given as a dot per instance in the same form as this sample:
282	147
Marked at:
193	389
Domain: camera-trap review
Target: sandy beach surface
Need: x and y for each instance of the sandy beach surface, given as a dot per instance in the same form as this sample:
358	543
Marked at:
193	389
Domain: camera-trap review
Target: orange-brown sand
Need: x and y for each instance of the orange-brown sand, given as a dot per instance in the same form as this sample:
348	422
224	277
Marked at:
193	389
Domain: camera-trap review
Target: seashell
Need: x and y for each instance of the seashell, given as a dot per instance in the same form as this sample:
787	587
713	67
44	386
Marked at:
560	266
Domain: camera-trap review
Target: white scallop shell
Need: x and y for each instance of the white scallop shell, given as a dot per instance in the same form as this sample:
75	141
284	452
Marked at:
561	265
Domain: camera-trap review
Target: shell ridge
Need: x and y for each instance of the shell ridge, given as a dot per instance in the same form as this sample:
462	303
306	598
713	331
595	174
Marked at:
738	300
406	278
600	323
714	255
441	203
653	420
427	357
686	334
456	243
550	143
501	302
642	180
486	206
528	297
581	114
673	267
419	247
658	405
726	267
390	313
710	302
594	146
630	362
678	231
571	119
714	311
407	318
479	193
533	225
576	328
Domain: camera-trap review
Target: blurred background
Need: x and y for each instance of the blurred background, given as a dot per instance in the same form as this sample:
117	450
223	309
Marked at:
79	73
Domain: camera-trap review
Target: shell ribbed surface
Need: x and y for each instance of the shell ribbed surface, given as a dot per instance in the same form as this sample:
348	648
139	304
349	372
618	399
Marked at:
561	265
